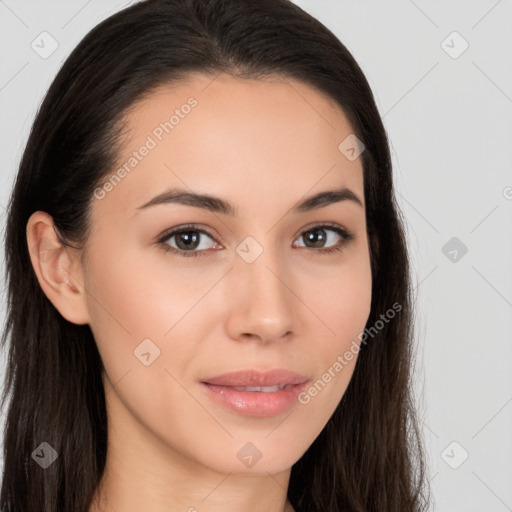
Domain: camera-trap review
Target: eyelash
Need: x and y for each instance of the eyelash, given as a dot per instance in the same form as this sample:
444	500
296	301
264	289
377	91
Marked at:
346	236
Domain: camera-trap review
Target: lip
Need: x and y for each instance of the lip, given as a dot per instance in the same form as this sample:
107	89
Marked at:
278	376
256	403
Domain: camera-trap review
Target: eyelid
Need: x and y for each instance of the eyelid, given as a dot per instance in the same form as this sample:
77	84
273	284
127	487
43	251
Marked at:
315	225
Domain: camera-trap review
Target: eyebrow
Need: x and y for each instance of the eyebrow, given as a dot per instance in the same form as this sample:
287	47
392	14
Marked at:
219	205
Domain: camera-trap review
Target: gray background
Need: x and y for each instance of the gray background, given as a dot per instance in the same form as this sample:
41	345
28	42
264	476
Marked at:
448	114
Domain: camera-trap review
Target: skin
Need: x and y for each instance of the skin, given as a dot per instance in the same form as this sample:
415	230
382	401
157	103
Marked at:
265	146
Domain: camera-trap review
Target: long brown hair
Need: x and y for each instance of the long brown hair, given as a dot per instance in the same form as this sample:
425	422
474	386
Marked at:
369	456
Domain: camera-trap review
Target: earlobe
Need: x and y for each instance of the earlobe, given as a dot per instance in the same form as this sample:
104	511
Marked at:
57	268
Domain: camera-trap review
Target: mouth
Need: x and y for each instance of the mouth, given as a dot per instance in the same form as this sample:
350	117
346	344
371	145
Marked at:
256	394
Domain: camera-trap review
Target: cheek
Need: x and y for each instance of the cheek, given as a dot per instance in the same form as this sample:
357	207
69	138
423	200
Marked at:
142	322
341	303
125	309
145	318
136	298
340	298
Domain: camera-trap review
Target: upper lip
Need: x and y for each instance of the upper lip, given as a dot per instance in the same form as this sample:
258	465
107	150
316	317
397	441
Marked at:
256	378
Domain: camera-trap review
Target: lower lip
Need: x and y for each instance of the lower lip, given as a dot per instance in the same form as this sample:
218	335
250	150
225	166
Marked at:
255	403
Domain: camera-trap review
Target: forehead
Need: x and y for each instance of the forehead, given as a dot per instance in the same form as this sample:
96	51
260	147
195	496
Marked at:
276	138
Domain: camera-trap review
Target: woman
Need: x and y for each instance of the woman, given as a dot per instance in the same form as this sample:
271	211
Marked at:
208	282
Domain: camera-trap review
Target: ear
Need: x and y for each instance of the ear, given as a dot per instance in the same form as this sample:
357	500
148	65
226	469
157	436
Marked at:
58	268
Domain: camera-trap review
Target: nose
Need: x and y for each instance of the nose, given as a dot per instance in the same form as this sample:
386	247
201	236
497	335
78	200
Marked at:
261	300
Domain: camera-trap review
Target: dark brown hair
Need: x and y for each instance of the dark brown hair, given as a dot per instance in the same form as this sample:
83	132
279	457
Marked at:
369	456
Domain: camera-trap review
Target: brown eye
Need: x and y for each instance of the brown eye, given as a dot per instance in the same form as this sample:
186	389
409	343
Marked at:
318	237
188	239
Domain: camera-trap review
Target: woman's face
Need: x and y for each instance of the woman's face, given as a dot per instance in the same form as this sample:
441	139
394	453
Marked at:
250	288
